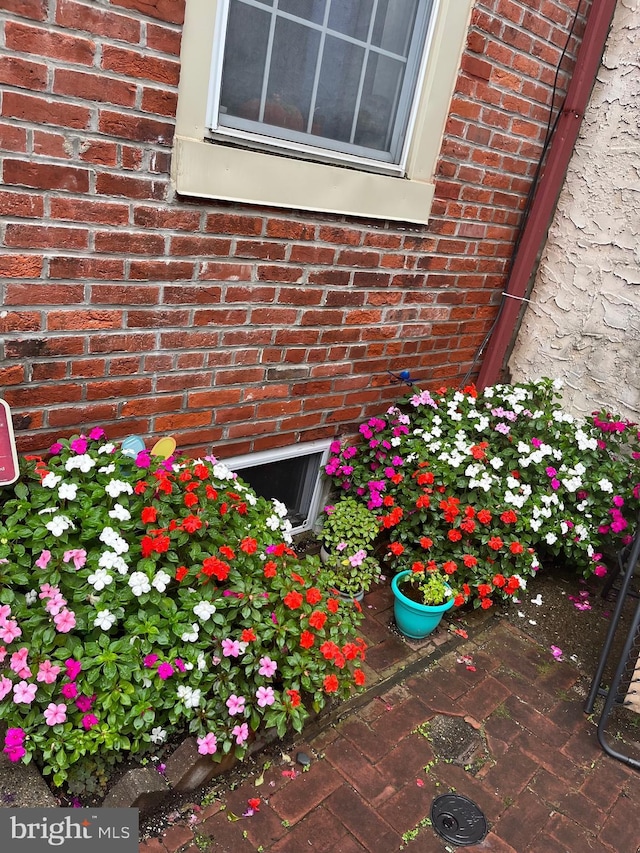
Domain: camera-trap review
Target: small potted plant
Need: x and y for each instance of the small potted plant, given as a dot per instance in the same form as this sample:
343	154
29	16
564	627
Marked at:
348	532
421	598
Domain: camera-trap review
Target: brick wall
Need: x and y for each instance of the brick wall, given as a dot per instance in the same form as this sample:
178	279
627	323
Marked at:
231	326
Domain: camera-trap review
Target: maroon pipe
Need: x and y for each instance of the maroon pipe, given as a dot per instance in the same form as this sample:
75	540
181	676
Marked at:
544	202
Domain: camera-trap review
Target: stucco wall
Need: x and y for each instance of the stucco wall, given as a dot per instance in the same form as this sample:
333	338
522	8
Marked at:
583	323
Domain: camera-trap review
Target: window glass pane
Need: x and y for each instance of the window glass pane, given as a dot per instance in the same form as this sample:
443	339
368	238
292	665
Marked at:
338	89
379	101
293	67
310	10
244	60
351	17
394	25
290	481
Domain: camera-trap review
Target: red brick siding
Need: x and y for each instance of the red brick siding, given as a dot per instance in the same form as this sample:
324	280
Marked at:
224	324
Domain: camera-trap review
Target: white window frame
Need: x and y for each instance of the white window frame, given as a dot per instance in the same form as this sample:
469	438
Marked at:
223	169
266	457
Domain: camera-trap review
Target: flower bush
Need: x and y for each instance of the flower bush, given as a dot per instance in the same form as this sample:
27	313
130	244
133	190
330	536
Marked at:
480	487
141	598
348	533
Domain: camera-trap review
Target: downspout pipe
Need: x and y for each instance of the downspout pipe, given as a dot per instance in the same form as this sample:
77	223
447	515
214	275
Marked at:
544	203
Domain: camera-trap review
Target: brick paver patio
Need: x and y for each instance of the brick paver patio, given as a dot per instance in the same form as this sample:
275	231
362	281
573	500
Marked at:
535	767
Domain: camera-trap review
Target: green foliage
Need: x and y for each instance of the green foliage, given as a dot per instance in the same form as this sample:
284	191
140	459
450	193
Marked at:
349	530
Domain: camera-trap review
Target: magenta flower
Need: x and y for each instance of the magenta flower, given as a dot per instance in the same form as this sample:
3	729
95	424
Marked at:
73	668
618	501
600	571
143	459
149	660
55	449
47	672
69	690
241	733
96	434
79	445
235	704
89	720
208	744
24	693
43	559
55	714
265	696
165	670
65	621
14	737
180	664
14	753
78	555
84	703
267	667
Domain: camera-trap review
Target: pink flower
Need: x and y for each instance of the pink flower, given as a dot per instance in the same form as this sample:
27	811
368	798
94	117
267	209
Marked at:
23	692
10	631
55	449
78	555
143	459
47	672
96	434
48	591
18	663
230	648
55	714
180	664
84	703
618	501
55	604
69	690
5	686
79	445
89	720
235	704
14	753
265	696
165	670
208	744
556	652
149	660
267	667
72	668
241	733
65	621
43	559
14	737
600	571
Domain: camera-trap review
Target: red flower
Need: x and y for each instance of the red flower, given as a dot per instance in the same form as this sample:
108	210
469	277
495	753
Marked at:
454	535
425	478
140	487
417	567
359	677
270	569
317	620
387	500
216	567
297	578
307	639
201	471
190	499
486	603
227	552
478	450
466	589
330	684
516	548
211	493
181	573
450	507
249	545
294	696
397	478
512	584
192	523
470	561
499	580
149	515
509	517
449	567
484	589
423	502
164	486
332	605
146	546
224	508
426	542
293	599
329	650
254	802
468	525
396	548
484	516
185	476
495	543
393	518
351	651
161	544
248	635
313	596
458	601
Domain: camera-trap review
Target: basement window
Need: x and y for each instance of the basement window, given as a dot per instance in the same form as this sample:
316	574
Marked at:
292	475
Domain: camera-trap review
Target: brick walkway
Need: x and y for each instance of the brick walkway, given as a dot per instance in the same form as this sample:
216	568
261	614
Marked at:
528	758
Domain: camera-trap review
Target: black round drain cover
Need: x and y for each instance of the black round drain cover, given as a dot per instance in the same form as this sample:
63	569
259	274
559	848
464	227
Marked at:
457	819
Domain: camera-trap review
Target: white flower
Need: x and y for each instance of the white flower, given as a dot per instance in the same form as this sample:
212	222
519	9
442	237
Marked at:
161	581
51	480
30	596
58	525
114	540
99	579
68	491
157	735
117	487
104	619
564	527
192	635
204	610
83	462
202	663
189	696
605	485
48	510
221	472
139	583
535	524
496	463
107	448
273	522
120	513
280	508
107	469
550	538
110	560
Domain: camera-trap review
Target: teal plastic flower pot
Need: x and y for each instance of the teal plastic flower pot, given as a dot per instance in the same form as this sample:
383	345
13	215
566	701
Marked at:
415	620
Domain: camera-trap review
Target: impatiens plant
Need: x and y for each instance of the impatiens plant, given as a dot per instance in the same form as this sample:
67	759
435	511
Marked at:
481	487
142	598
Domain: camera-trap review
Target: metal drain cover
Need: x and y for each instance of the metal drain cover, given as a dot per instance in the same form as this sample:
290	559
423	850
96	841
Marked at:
457	819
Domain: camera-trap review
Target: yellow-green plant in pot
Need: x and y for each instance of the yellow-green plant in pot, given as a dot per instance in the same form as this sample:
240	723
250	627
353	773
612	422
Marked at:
348	534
